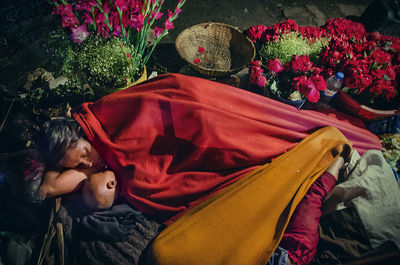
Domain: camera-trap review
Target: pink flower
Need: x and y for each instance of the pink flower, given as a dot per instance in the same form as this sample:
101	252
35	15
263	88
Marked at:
170	14
121	4
87	18
177	11
261	80
157	15
69	21
137	22
79	34
196	61
158	31
200	50
275	66
168	24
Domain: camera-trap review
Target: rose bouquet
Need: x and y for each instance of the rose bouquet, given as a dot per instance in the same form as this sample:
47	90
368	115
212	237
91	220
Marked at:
288	54
369	61
295	80
121	25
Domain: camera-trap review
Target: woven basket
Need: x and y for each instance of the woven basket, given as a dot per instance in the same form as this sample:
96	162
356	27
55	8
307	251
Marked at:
226	49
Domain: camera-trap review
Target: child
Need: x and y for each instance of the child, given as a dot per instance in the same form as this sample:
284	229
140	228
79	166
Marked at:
100	190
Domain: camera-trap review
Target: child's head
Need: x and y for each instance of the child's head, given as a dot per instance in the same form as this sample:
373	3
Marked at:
100	190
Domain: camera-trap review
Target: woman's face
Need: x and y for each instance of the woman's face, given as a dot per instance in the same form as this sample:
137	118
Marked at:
82	156
100	190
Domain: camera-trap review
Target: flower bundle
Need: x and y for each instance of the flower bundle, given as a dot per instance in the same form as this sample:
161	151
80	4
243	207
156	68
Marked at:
370	61
295	80
127	20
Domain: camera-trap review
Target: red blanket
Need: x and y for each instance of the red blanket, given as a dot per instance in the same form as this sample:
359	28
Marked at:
175	140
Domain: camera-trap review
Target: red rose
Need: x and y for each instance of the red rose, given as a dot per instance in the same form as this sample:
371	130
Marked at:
319	82
381	87
298	82
365	81
316	70
352	82
311	32
255	73
390	72
301	63
312	95
381	56
255	32
261	80
288	25
303	84
275	66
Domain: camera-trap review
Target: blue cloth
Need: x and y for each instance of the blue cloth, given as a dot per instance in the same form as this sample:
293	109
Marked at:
279	257
395	175
388	125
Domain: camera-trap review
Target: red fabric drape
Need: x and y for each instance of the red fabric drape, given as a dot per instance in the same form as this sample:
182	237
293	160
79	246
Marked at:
175	140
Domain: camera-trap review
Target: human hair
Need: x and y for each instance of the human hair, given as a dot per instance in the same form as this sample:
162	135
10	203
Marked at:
55	137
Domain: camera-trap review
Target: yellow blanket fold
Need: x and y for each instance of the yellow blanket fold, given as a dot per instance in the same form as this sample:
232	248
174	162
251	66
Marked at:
244	223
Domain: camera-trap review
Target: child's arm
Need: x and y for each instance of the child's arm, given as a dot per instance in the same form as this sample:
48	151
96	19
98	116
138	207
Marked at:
59	183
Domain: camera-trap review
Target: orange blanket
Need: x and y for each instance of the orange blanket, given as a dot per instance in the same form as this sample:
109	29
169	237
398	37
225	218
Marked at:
244	223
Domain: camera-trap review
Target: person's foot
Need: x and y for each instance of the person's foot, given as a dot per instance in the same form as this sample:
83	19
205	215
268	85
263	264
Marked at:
335	167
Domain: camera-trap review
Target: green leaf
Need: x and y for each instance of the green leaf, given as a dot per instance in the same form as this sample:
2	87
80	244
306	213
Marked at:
274	87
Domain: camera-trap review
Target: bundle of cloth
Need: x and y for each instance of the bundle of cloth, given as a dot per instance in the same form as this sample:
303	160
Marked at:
190	151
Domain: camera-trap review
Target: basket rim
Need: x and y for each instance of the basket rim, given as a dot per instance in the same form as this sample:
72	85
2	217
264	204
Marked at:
208	69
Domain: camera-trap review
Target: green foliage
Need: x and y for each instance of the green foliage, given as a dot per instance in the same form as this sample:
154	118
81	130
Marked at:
104	65
291	44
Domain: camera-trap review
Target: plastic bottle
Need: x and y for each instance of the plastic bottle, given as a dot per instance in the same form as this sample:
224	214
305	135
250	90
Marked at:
333	85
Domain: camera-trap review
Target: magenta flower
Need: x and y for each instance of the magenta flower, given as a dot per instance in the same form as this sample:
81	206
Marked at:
158	31
261	80
177	11
170	14
121	4
196	61
168	24
87	18
69	21
156	15
79	34
137	22
200	50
